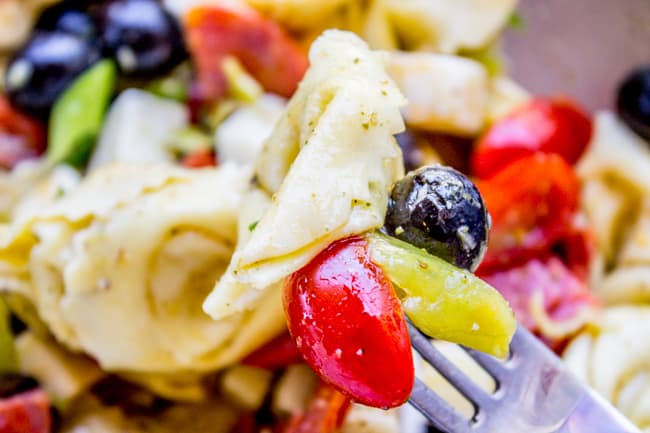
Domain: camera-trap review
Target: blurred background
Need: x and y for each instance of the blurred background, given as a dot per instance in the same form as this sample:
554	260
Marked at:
581	47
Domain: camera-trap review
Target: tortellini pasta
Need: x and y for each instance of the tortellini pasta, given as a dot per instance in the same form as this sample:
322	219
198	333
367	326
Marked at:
328	167
301	14
448	26
444	26
29	186
613	354
613	357
456	101
616	199
119	266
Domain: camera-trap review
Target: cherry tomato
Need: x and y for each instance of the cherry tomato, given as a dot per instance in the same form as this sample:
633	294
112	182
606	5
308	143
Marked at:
277	353
262	47
563	295
532	203
550	126
28	412
348	325
325	413
20	136
199	159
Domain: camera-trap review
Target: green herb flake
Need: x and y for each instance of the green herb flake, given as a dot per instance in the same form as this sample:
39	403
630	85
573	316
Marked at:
516	21
252	226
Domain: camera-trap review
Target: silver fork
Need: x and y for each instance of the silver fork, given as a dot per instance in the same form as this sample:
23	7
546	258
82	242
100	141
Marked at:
534	394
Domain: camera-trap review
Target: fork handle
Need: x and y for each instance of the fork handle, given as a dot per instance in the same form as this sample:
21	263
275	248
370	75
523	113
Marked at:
592	415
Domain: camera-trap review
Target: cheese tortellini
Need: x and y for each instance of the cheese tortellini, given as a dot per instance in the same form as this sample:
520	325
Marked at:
613	354
613	357
616	198
119	267
327	167
455	102
448	26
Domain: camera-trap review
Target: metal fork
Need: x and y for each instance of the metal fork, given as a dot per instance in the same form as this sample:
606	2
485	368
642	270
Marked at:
534	394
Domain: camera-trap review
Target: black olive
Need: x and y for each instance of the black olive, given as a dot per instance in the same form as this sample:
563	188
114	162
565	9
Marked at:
144	39
439	209
633	101
71	16
410	151
12	384
17	325
44	67
131	398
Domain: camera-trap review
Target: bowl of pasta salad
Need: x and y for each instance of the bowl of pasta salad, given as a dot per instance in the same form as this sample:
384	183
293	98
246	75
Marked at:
218	215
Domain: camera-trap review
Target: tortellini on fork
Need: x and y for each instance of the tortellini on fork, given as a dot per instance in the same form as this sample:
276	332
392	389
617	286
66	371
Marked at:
326	169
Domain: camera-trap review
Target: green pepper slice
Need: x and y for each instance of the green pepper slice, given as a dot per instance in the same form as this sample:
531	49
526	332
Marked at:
444	301
78	114
8	358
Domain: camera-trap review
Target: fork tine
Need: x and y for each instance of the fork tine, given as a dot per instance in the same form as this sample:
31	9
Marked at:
501	369
523	340
438	411
497	369
455	376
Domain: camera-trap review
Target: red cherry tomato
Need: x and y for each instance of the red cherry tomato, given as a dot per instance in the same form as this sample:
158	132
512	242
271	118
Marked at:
348	325
262	47
28	412
20	136
563	295
550	126
325	413
277	353
532	203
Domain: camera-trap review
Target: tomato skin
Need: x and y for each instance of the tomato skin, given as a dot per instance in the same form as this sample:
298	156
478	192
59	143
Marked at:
199	158
20	136
348	325
325	413
532	203
27	412
263	48
277	353
549	126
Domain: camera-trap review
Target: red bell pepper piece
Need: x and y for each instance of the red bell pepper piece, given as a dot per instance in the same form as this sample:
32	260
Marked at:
550	126
27	412
199	158
325	413
278	353
20	136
